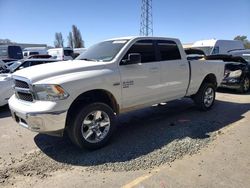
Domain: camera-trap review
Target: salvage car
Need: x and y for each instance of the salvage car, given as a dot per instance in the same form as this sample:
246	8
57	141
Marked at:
6	81
83	97
237	72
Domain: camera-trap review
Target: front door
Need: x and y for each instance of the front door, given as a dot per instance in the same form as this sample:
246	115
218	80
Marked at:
140	82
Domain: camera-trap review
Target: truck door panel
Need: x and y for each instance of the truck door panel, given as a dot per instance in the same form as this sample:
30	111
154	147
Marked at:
140	81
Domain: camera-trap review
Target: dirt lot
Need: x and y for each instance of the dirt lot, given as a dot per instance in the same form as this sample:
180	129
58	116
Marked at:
171	145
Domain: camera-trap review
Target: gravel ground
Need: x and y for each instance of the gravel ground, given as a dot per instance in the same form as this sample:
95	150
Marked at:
144	140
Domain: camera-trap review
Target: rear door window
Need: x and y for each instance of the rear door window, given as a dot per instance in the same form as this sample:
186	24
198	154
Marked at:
168	50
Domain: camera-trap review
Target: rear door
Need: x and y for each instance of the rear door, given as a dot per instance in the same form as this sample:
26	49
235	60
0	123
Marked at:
140	82
175	70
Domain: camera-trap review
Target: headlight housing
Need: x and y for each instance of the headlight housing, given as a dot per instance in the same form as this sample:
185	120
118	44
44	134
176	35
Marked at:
49	92
235	74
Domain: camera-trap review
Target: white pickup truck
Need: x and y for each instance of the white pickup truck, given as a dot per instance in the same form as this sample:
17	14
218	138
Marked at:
83	97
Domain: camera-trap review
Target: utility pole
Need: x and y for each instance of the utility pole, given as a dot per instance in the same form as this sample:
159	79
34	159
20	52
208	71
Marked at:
146	26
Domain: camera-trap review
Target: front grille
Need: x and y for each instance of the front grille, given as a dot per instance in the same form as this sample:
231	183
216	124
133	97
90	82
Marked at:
21	84
25	96
22	91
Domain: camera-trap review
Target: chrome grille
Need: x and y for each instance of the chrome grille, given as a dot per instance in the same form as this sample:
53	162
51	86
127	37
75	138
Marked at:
21	84
25	96
22	90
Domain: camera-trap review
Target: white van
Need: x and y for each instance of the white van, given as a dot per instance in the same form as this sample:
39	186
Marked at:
61	53
211	47
34	51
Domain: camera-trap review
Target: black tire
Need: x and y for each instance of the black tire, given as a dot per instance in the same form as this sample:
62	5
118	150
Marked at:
245	85
76	126
199	97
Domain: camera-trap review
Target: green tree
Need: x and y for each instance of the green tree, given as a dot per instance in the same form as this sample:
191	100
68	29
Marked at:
77	37
58	40
70	40
244	39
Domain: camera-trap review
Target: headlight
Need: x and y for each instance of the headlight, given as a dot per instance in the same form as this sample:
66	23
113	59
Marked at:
47	92
235	74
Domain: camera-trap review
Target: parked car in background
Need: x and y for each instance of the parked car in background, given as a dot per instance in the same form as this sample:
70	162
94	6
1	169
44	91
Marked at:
242	53
3	67
213	47
78	51
61	53
10	53
24	63
34	51
40	57
6	81
237	72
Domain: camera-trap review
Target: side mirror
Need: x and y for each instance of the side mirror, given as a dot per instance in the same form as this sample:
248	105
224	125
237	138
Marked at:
133	58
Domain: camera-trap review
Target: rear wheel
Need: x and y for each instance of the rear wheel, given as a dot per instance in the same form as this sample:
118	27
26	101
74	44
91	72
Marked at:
245	85
92	126
205	97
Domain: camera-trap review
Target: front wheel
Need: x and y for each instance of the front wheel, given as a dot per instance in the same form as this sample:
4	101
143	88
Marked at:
92	126
205	97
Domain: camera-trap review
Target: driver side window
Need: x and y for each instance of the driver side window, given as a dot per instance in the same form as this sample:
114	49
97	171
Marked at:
145	48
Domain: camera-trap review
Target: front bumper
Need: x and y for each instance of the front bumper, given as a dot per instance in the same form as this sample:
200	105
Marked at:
42	116
231	83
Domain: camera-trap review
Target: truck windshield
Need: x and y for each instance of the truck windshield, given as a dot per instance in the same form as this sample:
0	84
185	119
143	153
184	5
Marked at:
103	51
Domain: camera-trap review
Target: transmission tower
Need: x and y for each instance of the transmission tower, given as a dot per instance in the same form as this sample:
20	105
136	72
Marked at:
146	28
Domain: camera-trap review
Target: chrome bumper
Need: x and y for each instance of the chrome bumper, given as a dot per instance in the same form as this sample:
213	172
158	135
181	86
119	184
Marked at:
49	122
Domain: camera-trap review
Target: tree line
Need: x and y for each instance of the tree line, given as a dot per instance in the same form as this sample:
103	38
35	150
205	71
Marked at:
244	39
74	39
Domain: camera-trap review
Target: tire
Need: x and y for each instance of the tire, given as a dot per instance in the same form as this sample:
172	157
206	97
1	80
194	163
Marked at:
245	85
92	126
205	97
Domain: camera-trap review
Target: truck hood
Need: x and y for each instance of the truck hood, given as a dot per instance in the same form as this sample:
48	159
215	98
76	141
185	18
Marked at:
45	71
235	66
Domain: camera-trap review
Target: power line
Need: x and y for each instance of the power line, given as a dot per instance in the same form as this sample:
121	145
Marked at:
146	25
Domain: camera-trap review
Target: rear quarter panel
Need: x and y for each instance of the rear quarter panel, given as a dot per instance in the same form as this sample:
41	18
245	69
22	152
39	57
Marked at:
200	69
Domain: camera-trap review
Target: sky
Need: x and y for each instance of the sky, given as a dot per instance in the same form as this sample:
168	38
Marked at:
36	21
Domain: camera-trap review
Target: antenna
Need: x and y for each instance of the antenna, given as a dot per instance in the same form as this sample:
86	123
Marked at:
146	28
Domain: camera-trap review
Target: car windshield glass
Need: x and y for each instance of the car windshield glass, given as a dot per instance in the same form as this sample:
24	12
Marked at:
15	65
206	50
103	51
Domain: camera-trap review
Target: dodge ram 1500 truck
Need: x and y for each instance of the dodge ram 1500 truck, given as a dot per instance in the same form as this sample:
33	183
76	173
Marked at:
83	97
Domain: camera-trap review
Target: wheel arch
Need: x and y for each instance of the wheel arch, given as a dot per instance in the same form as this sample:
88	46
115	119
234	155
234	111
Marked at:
210	78
96	95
